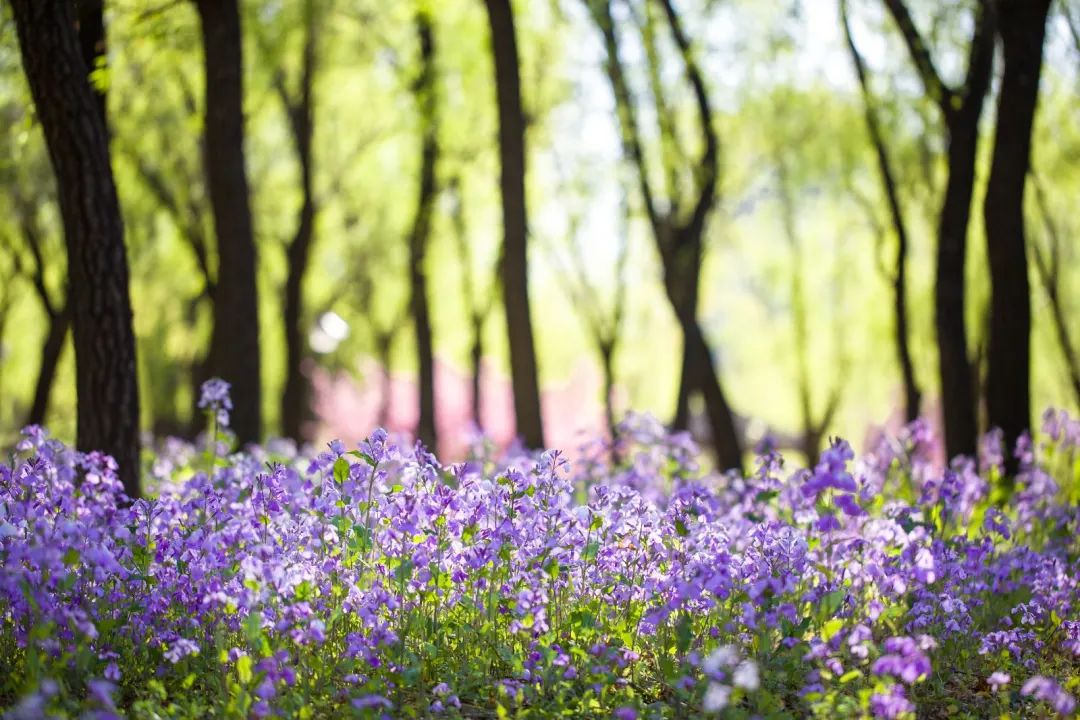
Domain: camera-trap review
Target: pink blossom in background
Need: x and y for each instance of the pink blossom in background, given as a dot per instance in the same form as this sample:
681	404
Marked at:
347	407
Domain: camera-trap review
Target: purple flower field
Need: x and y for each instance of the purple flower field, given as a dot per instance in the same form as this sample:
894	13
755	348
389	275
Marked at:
377	582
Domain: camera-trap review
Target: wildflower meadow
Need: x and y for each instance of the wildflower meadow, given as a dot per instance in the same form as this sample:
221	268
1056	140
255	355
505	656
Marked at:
375	581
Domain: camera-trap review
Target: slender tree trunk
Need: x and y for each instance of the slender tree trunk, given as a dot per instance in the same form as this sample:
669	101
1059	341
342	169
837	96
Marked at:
50	360
912	394
957	383
295	407
106	385
725	436
426	92
234	343
681	418
383	344
476	358
607	364
1022	26
960	110
515	276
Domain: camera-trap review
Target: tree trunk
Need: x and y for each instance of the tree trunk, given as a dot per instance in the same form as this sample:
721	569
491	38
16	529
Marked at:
725	436
957	389
427	101
234	343
960	110
476	358
912	394
295	407
106	385
515	276
383	345
50	360
1022	26
607	363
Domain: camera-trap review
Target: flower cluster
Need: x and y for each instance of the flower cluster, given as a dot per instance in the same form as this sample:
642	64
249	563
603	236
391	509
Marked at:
376	581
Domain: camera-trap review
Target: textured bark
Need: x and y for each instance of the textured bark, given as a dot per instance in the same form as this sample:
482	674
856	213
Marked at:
234	343
912	393
106	386
960	109
427	104
1022	27
514	269
295	406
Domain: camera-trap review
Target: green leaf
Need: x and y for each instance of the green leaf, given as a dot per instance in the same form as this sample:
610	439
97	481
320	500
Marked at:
243	668
341	470
831	628
363	456
680	528
253	626
831	603
849	676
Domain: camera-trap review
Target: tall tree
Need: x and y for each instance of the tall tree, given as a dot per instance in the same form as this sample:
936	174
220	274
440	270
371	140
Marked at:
514	266
299	106
679	228
912	394
1022	27
106	386
425	90
234	343
960	109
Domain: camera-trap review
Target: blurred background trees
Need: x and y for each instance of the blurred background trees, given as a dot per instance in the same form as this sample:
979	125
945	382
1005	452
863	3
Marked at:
788	219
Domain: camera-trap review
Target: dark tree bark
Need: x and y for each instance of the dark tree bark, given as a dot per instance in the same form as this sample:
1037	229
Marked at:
678	231
106	386
960	109
1022	27
912	394
427	104
295	408
514	266
92	43
234	343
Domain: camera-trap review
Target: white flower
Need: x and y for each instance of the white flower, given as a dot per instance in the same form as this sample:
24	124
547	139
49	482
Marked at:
716	697
746	676
721	657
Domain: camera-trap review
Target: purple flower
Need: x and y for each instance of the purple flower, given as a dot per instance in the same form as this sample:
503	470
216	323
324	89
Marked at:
903	660
180	649
371	701
998	679
214	395
625	713
1043	688
892	704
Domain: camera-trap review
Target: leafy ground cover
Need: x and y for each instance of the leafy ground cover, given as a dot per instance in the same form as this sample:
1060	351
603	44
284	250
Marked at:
375	581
